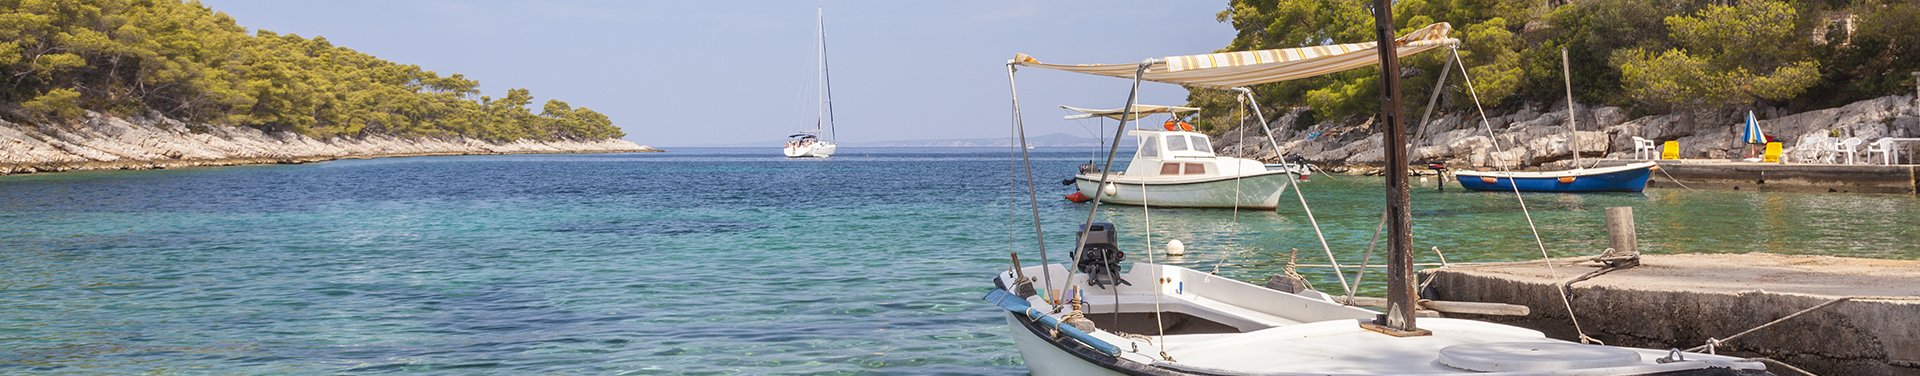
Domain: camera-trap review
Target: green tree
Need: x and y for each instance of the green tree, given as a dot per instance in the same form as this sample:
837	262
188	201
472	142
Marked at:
128	57
1725	55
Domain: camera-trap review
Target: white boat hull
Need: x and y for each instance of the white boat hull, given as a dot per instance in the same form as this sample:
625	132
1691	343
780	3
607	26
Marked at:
1256	191
816	150
1043	358
1273	333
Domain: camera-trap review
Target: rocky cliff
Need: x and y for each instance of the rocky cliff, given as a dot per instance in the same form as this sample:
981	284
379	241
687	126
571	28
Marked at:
108	143
1530	138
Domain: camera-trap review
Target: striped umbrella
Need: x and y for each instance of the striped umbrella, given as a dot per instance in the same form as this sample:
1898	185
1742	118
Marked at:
1753	134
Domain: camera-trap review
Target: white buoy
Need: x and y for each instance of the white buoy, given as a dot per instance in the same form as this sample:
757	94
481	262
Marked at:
1111	190
1176	248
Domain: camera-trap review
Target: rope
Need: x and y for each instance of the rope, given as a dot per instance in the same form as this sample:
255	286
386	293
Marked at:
1160	324
1713	342
1782	364
1239	112
1369	257
1675	181
1294	183
1495	139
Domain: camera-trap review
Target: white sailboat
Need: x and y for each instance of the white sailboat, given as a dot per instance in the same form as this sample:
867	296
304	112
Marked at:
1088	316
819	142
1178	168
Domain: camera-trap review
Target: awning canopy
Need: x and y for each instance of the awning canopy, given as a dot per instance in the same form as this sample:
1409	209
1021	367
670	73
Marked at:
1138	110
1233	69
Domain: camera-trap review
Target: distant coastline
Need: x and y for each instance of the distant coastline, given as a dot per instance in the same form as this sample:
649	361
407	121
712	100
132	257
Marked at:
1047	141
109	143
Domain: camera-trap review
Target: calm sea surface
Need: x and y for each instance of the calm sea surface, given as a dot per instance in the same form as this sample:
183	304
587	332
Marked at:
696	261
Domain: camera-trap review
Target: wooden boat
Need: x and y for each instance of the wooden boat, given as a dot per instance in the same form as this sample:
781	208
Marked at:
1627	178
1095	316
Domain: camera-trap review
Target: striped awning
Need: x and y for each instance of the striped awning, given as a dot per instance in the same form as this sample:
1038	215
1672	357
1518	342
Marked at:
1138	110
1243	68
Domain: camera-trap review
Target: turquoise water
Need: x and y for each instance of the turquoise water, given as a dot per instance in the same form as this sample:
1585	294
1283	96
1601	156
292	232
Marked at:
696	261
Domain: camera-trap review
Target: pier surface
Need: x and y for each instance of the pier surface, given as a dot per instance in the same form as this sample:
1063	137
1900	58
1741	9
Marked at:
1781	177
1681	301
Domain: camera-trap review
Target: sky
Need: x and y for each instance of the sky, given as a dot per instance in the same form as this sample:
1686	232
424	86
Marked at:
694	73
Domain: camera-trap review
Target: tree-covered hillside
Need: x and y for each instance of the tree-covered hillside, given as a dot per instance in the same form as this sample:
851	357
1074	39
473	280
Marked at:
127	57
1648	55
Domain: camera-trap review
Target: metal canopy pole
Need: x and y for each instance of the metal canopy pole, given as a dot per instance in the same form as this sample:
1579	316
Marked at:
1106	170
1021	128
1399	319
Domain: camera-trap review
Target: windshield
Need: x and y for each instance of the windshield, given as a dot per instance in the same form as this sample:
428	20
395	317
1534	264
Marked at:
1150	147
1177	143
1200	144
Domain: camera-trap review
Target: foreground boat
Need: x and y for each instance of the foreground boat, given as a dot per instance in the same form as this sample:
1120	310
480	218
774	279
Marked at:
1100	317
1627	178
1219	326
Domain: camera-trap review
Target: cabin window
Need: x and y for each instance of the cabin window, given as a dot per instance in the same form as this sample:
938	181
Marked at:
1150	147
1196	169
1170	168
1177	143
1200	144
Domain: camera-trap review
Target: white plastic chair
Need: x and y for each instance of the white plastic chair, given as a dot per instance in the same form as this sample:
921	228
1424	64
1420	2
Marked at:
1886	149
1848	147
1817	149
1642	147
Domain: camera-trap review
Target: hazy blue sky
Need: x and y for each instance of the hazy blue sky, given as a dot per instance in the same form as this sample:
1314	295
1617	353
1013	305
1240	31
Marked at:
719	72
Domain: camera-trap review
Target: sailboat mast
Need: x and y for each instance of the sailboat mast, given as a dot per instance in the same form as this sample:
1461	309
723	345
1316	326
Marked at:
1573	131
826	80
1400	296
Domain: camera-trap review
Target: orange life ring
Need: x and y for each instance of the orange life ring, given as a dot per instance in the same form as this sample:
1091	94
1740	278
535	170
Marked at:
1185	126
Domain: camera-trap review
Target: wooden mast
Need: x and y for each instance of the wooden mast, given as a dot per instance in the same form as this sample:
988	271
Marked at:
1398	320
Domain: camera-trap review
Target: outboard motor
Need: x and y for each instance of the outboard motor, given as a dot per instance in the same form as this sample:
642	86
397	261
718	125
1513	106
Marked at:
1101	257
1439	169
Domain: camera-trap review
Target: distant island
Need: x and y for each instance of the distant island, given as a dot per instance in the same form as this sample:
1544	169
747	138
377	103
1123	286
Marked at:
114	84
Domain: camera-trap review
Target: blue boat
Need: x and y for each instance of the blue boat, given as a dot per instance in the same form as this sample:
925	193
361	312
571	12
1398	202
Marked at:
1629	178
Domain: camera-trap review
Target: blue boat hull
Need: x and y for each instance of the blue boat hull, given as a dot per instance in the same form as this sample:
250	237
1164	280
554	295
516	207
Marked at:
1633	180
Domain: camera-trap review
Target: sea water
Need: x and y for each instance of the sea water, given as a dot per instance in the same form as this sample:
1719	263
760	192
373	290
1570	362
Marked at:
702	261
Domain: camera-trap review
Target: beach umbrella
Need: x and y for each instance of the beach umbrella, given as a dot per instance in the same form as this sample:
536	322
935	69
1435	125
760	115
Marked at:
1753	134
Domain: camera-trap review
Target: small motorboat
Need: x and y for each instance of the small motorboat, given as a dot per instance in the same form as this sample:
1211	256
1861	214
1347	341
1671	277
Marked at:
1177	167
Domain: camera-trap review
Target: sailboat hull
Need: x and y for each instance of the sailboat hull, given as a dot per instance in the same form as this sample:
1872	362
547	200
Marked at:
1628	178
817	150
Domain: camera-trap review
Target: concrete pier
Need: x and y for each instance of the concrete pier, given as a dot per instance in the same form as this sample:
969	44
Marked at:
1778	177
1681	301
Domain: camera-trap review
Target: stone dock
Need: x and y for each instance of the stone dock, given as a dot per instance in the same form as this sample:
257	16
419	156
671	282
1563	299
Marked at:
1682	301
1781	177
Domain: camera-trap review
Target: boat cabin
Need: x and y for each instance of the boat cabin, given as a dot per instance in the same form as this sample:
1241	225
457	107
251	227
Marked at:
1180	153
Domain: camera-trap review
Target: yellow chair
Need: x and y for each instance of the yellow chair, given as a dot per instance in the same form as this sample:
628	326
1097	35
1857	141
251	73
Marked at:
1670	150
1773	153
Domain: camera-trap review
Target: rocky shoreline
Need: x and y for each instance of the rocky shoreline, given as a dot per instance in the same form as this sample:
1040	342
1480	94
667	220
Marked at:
100	142
1530	139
